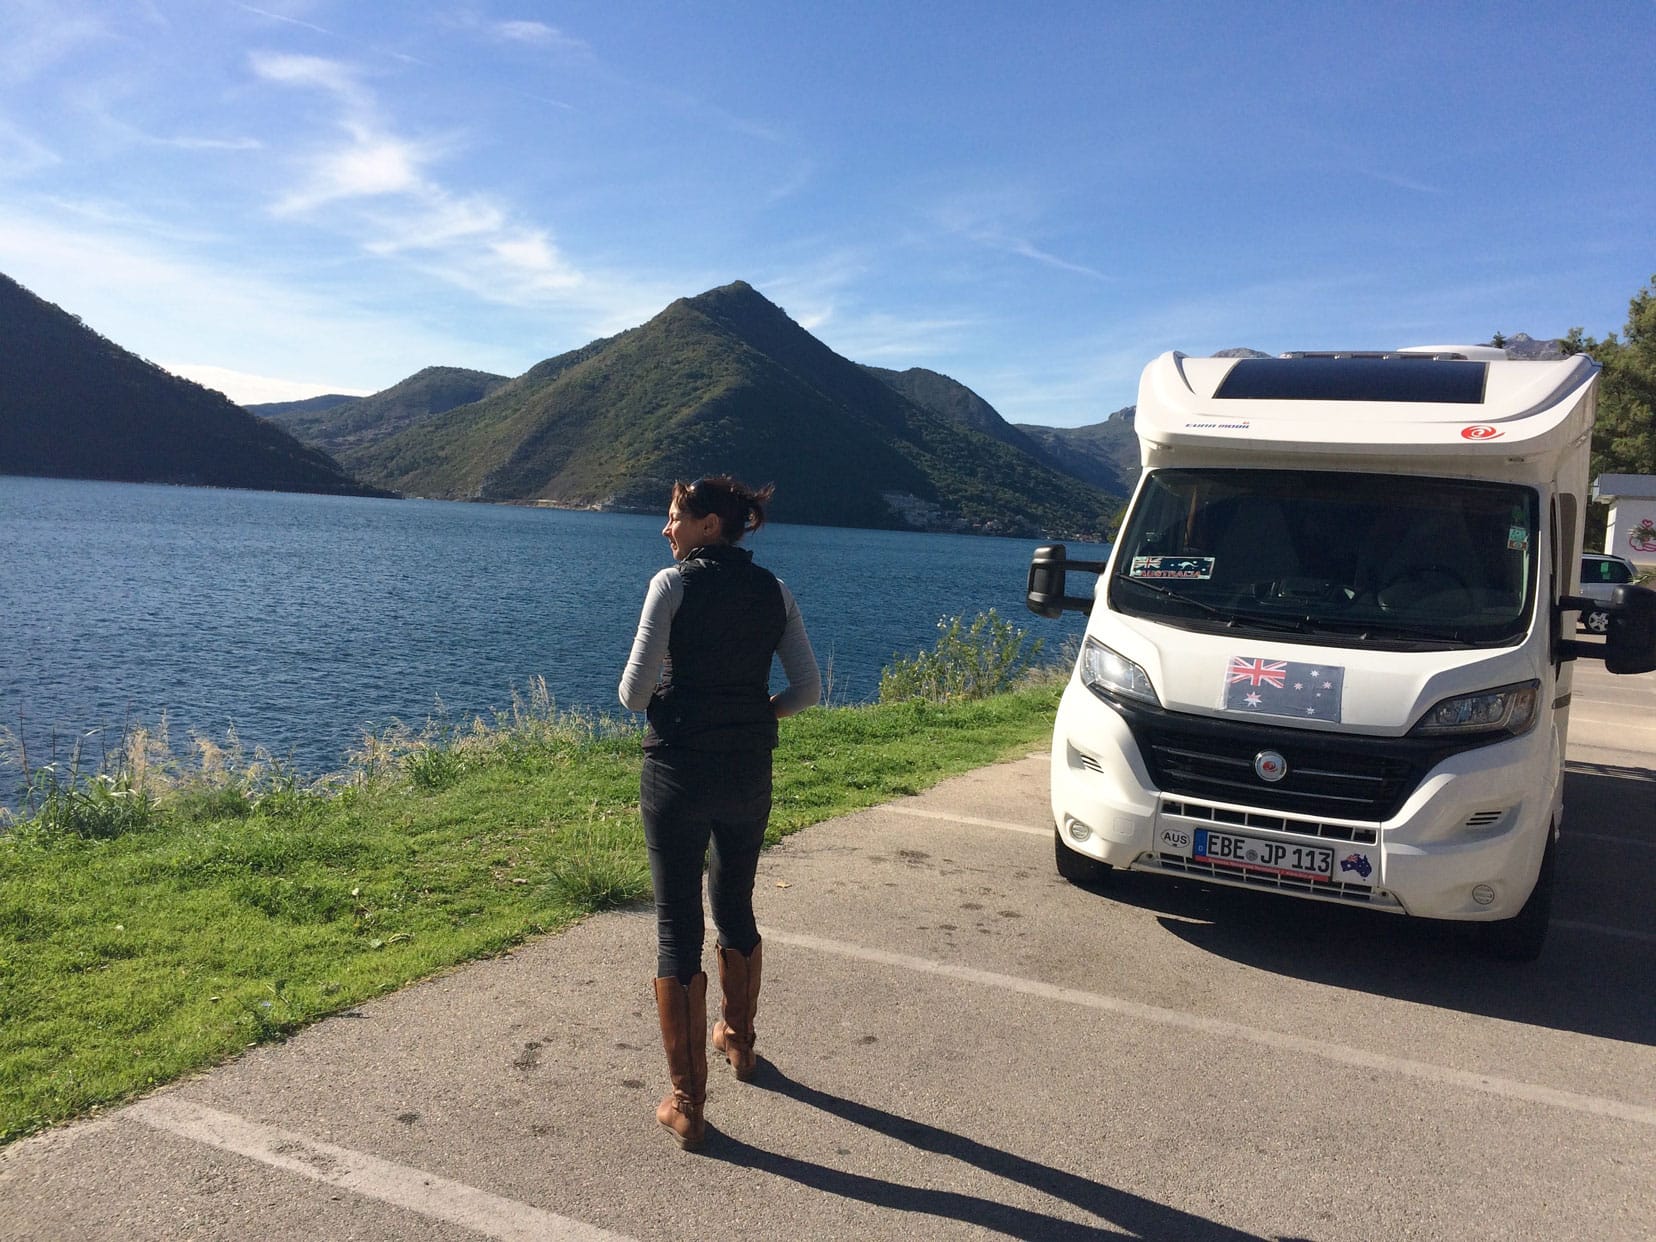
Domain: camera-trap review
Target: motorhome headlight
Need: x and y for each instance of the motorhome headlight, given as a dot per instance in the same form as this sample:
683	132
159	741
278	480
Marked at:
1107	672
1509	709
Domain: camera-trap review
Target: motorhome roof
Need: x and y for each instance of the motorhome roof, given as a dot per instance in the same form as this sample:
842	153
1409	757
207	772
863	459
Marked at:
1403	406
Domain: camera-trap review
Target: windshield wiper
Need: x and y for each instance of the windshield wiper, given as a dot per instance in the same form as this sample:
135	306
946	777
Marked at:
1291	625
1389	631
1175	595
1265	621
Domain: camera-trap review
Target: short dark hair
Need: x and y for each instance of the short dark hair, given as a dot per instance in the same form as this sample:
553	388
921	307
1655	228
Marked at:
740	508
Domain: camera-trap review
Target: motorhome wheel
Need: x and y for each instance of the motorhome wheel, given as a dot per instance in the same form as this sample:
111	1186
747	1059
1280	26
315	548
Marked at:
1074	867
1519	939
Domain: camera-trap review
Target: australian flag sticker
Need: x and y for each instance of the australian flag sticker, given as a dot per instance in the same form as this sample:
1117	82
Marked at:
1358	863
1283	688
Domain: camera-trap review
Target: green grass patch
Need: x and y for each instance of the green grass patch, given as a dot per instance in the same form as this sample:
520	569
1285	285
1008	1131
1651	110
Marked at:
137	948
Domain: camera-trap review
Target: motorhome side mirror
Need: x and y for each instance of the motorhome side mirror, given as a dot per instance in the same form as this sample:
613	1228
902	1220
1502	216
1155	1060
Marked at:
1045	592
1630	642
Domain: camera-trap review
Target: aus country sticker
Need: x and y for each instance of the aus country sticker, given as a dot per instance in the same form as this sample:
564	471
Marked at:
1171	567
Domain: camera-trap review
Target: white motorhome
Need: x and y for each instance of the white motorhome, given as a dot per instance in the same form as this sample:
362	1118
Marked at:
1330	653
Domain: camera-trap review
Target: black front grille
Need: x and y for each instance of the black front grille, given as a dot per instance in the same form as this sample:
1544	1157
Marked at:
1334	775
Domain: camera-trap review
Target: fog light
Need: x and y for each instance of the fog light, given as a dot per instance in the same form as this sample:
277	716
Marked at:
1076	829
1483	895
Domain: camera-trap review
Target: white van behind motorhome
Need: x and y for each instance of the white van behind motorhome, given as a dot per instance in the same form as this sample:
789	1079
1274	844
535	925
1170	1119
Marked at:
1330	654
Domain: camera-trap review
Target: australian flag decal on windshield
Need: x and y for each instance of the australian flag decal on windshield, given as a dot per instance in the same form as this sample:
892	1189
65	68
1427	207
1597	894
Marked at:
1283	688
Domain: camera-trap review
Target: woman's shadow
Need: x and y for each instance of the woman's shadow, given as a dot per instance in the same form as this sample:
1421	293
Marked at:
1120	1212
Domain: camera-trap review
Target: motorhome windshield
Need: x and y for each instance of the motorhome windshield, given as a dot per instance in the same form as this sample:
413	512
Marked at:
1354	559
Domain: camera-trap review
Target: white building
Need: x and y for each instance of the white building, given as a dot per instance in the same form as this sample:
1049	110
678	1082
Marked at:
1631	529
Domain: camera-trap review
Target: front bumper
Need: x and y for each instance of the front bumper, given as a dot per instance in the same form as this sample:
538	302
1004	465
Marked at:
1465	843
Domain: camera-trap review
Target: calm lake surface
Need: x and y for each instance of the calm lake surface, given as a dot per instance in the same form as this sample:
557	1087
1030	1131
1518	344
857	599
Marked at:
301	621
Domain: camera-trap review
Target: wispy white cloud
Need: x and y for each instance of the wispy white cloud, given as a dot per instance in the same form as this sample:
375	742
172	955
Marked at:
115	106
21	153
383	190
369	162
150	291
1400	181
318	72
1001	221
538	34
185	142
36	37
826	296
526	32
803	174
368	165
247	389
880	336
282	17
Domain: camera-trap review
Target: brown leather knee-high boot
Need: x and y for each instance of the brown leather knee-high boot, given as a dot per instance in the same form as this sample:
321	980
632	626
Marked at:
733	1034
682	1009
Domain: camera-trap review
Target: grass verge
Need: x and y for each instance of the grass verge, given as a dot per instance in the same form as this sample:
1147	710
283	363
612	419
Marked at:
225	920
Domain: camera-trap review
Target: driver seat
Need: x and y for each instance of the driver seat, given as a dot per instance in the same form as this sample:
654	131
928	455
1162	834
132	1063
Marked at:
1431	564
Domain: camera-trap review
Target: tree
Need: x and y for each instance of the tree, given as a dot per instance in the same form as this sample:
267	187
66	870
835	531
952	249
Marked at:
1498	340
1624	440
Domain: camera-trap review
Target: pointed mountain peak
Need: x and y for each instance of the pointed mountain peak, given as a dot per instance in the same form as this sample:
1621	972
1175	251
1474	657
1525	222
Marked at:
740	308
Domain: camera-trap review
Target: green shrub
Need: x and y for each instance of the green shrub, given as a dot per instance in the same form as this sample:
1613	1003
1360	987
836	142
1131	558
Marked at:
66	802
985	658
599	867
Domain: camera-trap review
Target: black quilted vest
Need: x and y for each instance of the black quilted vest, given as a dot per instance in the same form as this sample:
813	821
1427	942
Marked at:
715	687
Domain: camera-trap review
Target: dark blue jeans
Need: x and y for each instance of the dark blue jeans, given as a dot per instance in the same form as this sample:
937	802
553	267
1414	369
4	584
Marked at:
691	800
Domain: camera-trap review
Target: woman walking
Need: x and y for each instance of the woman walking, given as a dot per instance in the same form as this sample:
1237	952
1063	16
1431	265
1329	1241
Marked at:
700	667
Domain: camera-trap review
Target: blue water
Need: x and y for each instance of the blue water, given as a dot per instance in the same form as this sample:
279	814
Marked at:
301	621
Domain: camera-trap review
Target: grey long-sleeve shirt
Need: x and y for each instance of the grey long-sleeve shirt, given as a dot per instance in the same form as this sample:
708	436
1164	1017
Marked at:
649	649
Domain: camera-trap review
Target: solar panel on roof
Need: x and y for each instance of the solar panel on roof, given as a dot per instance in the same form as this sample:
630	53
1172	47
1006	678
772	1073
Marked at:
1355	379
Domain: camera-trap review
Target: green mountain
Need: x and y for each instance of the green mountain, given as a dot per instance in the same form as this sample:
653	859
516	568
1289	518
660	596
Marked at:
949	397
286	411
726	382
74	405
1067	450
337	424
1105	454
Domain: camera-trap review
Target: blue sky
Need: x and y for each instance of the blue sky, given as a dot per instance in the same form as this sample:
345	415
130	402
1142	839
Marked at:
300	196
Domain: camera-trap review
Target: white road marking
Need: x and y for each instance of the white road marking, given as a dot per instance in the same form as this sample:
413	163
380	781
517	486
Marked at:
1624	933
951	817
425	1193
1278	1041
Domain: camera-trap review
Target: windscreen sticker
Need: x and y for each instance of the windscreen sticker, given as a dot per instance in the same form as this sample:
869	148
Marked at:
1517	538
1283	688
1171	567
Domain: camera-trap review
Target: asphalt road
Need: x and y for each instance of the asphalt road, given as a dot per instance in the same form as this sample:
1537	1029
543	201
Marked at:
957	1044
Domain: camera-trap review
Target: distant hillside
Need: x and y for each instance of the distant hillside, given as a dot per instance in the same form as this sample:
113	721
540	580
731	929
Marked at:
727	382
1525	348
74	405
1105	454
282	411
359	421
952	399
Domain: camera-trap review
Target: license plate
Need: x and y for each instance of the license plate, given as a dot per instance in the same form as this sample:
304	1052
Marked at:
1305	862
